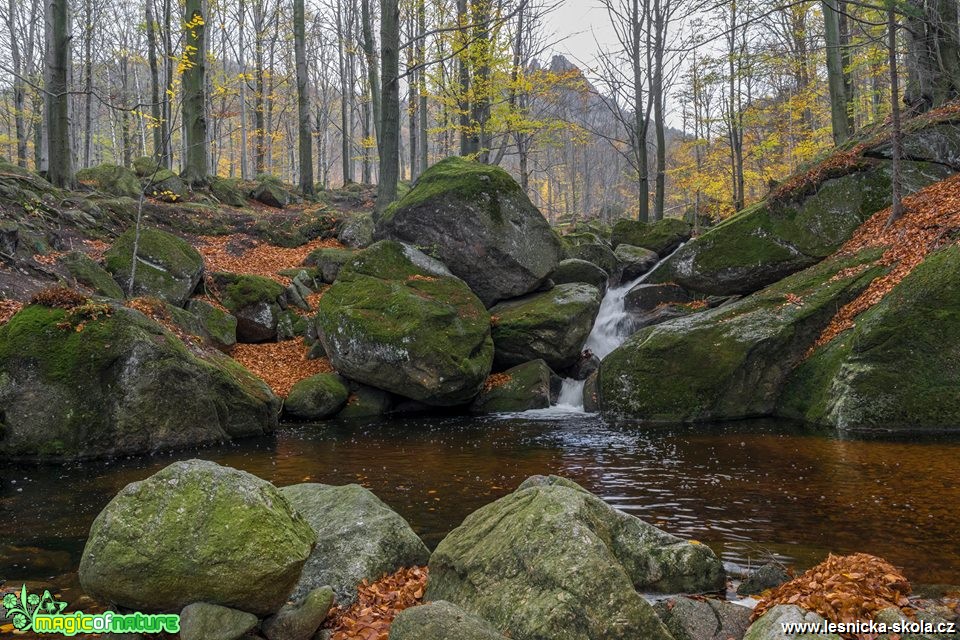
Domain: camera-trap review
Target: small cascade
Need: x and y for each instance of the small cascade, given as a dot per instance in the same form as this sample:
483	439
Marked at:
610	329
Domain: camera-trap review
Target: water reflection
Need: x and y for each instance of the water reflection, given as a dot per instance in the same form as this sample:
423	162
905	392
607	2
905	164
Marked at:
749	490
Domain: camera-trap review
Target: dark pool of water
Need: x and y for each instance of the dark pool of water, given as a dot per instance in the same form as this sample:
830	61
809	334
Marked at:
749	490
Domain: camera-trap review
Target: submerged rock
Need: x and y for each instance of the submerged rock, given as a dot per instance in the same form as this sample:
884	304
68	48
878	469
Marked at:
551	561
398	320
477	220
167	266
552	326
730	362
196	532
358	538
441	620
523	387
102	380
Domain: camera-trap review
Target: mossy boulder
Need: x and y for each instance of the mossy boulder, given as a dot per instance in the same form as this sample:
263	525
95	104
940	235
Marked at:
897	368
441	620
102	380
145	166
301	620
398	320
112	179
773	239
552	561
167	266
257	303
228	191
166	185
661	237
328	262
271	192
477	220
574	270
770	625
552	326
316	397
205	621
523	387
219	326
85	271
732	361
597	253
196	532
647	297
358	538
707	619
633	262
365	402
356	231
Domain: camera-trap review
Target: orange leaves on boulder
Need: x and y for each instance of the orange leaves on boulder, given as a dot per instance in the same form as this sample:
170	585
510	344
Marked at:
370	617
280	364
496	380
843	589
931	220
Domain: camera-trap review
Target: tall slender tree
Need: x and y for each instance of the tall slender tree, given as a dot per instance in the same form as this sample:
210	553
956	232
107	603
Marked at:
303	100
60	169
390	102
193	61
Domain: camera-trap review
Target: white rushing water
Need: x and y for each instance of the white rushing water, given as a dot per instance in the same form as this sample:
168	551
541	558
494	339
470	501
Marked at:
610	329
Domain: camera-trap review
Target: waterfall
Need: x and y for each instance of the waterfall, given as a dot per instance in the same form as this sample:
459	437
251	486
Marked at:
610	329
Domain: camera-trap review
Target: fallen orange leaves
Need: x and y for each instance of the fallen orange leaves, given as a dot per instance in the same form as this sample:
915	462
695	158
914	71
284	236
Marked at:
8	308
280	364
370	617
843	589
931	220
239	253
496	380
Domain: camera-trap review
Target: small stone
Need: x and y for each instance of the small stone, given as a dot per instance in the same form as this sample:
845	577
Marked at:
300	621
203	621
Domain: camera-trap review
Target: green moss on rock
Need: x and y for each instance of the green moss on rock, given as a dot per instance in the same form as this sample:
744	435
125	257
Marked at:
229	191
397	320
317	397
527	386
111	178
896	369
167	266
661	237
730	362
90	274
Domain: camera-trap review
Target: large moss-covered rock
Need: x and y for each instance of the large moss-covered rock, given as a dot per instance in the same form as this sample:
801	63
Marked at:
730	362
219	326
358	538
661	237
196	532
575	270
897	368
357	231
167	266
271	192
441	620
90	274
477	220
228	191
144	166
112	178
256	302
365	402
317	397
399	321
772	239
328	262
633	262
523	387
104	380
937	142
552	326
166	185
553	562
647	297
598	253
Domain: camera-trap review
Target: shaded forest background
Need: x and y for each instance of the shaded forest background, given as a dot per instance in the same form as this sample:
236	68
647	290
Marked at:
696	106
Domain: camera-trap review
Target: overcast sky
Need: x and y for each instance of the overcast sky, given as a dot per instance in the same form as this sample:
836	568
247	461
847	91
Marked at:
579	25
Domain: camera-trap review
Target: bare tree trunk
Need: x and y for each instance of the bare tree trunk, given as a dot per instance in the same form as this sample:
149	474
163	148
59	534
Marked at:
194	94
156	106
303	101
242	63
422	84
87	82
896	179
390	102
373	72
639	119
167	130
467	145
481	80
57	96
835	74
345	88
